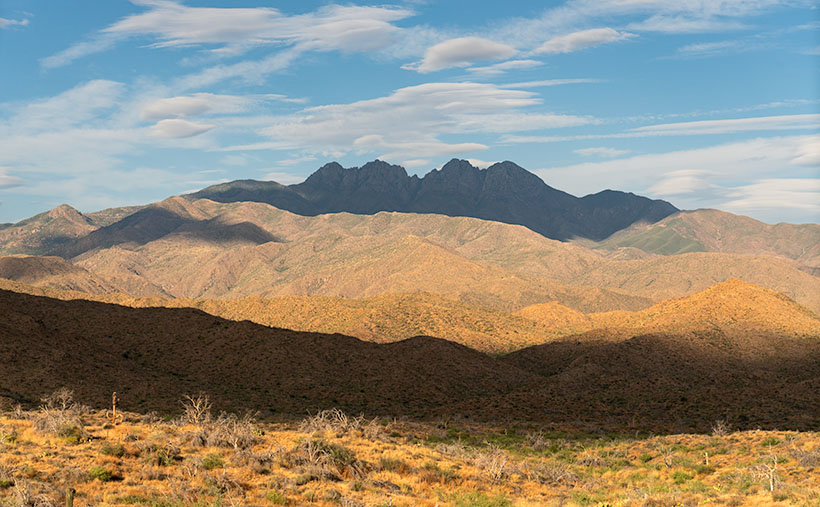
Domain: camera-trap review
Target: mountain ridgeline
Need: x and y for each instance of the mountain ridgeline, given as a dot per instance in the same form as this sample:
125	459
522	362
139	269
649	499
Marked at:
504	192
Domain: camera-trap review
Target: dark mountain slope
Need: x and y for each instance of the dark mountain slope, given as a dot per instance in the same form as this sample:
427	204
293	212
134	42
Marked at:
503	192
153	356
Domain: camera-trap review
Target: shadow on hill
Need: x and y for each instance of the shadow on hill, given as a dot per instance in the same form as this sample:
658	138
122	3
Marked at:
154	356
680	382
155	222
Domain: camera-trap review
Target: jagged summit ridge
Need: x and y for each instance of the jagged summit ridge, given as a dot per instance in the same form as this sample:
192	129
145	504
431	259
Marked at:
504	192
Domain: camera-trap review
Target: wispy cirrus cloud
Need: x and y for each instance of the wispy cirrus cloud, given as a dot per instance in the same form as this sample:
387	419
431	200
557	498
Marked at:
232	31
503	67
7	180
10	23
734	176
549	82
600	152
428	112
690	128
782	122
183	106
764	195
583	39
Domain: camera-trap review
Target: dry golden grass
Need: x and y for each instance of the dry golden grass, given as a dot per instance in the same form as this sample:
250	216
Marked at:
334	459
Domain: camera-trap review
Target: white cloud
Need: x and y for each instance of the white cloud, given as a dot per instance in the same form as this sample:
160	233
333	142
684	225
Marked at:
70	108
192	105
251	71
600	152
808	153
685	181
707	49
583	39
692	128
501	68
98	44
784	122
768	194
686	24
234	30
461	52
7	180
704	177
669	16
549	82
6	23
429	147
427	112
177	128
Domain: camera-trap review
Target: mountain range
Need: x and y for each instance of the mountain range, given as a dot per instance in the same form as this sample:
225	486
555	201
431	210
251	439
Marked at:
202	249
504	192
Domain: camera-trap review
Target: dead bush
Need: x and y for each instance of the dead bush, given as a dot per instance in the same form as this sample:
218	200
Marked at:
550	474
455	450
591	460
224	483
60	415
721	428
25	494
327	460
495	463
196	409
807	459
227	430
333	420
159	455
537	441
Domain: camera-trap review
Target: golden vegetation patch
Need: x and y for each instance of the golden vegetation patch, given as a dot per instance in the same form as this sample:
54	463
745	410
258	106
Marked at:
332	458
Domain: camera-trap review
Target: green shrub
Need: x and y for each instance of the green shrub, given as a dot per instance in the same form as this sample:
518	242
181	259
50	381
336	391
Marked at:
6	483
8	437
770	442
478	499
704	469
645	458
70	433
118	451
212	461
680	477
100	473
275	497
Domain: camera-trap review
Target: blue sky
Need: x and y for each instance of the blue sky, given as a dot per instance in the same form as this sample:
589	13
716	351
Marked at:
702	103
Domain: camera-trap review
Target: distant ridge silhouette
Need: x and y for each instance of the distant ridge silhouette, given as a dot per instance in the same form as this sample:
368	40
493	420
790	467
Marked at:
504	192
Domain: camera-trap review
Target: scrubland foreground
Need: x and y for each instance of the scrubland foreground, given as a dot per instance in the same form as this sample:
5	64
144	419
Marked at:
330	458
